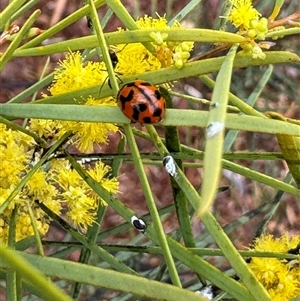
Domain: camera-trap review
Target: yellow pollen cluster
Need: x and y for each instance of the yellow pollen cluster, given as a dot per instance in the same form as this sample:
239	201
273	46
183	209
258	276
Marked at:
243	13
250	24
281	278
16	154
135	58
73	75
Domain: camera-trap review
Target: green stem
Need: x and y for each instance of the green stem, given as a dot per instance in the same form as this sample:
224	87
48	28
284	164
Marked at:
180	200
12	228
154	158
157	250
152	207
35	230
104	48
13	280
227	6
13	286
181	204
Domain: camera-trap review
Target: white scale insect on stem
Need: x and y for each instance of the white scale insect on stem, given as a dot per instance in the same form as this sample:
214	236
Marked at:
170	165
214	129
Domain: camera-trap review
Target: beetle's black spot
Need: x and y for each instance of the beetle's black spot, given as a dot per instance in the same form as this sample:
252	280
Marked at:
147	120
157	112
141	107
130	85
123	99
157	94
146	84
137	109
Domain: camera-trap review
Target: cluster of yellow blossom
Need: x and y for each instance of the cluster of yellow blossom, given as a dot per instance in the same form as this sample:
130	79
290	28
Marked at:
15	157
54	185
13	145
136	59
82	202
250	23
279	277
73	75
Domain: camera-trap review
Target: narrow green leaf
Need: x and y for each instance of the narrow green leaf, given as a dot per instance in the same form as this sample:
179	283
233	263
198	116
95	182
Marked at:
174	117
28	5
31	275
283	32
18	39
134	36
8	11
191	5
215	133
171	73
158	76
95	276
32	89
70	19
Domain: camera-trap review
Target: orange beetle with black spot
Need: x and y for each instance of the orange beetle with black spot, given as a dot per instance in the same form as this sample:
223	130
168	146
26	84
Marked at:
141	102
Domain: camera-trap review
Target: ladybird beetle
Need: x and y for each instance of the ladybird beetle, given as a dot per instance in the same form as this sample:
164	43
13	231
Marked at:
141	102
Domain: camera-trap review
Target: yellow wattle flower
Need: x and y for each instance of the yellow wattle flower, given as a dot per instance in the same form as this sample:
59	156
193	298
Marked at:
242	13
281	279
